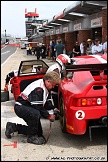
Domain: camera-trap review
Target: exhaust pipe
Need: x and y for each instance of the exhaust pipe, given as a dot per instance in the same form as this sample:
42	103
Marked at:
104	120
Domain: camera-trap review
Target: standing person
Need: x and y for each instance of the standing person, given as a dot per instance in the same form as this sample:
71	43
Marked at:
48	50
33	50
59	48
90	44
27	48
97	48
105	46
53	55
8	77
83	48
38	51
32	104
43	51
30	49
76	49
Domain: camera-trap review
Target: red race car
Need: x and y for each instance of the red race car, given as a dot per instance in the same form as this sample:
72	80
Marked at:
82	96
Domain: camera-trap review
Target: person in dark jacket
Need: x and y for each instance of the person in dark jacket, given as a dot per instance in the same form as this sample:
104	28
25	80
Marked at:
32	104
38	51
53	55
8	77
43	51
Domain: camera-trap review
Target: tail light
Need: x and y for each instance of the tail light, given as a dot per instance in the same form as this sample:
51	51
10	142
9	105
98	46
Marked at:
90	101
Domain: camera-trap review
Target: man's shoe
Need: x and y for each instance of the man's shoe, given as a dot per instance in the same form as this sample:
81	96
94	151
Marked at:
36	140
10	129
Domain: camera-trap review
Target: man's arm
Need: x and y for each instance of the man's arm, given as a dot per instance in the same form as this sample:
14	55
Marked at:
8	77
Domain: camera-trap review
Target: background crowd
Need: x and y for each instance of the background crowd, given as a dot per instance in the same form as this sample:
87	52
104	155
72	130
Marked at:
88	47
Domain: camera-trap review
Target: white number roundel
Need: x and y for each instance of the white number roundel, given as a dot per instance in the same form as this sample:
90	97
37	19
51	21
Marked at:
80	114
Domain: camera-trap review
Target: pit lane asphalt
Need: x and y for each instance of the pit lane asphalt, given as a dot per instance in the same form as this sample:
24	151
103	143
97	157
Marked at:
60	146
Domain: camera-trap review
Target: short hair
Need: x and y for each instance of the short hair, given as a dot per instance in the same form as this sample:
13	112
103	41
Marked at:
59	40
52	76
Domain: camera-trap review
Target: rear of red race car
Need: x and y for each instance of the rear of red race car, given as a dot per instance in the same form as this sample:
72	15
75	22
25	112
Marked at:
83	98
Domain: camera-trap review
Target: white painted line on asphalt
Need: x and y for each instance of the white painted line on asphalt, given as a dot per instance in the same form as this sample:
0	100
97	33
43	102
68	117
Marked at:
5	52
9	57
3	47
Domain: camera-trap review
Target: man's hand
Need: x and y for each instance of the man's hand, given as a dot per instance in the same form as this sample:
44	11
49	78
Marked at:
6	87
56	111
51	117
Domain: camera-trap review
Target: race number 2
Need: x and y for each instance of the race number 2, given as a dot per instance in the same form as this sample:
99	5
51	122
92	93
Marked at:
80	114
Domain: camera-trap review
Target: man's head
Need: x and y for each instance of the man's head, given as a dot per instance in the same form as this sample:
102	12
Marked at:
84	42
59	41
96	42
51	79
89	40
76	43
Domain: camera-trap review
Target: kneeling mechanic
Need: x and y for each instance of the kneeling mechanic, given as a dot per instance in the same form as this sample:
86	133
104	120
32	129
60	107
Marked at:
32	104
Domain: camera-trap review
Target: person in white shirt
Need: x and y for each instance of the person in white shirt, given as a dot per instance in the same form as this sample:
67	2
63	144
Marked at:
97	48
105	46
82	48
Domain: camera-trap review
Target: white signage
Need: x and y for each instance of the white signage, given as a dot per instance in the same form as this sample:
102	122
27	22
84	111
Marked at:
96	22
57	31
77	26
52	32
65	29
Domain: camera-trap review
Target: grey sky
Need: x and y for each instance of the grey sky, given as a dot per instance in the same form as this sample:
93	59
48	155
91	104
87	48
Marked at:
13	13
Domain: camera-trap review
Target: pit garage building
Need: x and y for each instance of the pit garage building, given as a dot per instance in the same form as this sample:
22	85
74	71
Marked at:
79	21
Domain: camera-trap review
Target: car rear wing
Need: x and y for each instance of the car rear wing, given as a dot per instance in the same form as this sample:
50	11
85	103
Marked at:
86	67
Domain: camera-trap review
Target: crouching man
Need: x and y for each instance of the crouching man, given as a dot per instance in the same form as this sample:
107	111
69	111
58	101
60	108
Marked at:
32	104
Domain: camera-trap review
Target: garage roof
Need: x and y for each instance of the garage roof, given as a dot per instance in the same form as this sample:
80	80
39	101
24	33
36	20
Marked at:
90	7
77	10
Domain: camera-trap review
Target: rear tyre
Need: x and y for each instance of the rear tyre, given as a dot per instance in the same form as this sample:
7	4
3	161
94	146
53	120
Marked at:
4	96
62	116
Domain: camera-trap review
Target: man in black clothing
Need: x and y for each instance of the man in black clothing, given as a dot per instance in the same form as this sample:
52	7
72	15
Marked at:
53	54
38	51
43	51
32	103
8	77
76	50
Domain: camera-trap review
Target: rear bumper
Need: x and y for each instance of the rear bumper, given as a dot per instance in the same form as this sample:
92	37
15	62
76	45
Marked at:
78	118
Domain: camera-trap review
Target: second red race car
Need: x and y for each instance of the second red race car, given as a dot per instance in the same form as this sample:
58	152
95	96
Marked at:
83	95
